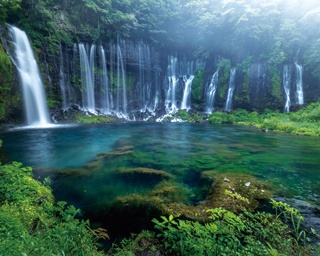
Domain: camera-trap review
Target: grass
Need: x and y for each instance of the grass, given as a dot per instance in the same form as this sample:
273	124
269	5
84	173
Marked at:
303	122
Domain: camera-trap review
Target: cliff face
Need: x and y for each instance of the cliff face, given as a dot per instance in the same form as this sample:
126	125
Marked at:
10	93
125	58
127	76
139	80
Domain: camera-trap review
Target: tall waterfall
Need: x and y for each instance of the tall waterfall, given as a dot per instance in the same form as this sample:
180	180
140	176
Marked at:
105	100
87	78
144	85
186	104
231	89
299	84
211	92
287	86
121	83
62	82
171	102
33	92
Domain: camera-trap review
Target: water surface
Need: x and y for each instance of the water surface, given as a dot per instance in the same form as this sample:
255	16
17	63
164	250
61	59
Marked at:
289	162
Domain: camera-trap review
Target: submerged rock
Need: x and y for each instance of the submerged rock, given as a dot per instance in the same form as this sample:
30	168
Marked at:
126	150
169	197
144	173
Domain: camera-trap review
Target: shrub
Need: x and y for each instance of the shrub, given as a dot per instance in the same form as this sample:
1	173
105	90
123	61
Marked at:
31	223
221	117
229	234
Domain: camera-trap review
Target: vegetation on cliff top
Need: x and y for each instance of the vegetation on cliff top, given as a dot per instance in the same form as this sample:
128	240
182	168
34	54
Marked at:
306	121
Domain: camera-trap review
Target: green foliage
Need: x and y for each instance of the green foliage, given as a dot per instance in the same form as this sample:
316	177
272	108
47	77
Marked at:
236	196
52	103
309	114
243	96
294	215
228	234
276	89
31	223
312	58
9	98
306	121
183	114
221	117
197	89
9	10
93	119
143	243
224	67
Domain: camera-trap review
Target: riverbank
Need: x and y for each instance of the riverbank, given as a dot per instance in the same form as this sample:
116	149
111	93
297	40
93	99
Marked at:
305	121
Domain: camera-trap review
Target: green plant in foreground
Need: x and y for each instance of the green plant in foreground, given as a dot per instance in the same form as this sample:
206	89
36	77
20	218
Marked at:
31	223
228	233
293	215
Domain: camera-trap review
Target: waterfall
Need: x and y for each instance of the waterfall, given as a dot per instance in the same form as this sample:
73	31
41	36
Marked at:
121	83
87	78
154	83
299	85
105	95
211	92
112	50
62	82
231	89
171	103
286	86
258	78
187	79
144	83
33	92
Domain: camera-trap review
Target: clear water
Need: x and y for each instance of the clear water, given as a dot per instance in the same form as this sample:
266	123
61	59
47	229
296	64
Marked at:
290	163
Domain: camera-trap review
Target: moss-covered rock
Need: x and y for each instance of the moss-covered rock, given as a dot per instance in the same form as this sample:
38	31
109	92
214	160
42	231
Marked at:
169	197
126	150
144	173
245	185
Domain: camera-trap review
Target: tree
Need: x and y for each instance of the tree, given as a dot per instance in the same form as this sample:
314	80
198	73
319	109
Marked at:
9	10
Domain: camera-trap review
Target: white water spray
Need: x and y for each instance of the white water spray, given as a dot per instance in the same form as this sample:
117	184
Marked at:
231	89
286	86
105	101
121	84
187	90
171	103
33	92
211	92
87	78
299	84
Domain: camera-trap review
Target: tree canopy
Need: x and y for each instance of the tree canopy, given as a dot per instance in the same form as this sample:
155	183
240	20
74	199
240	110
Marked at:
235	29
